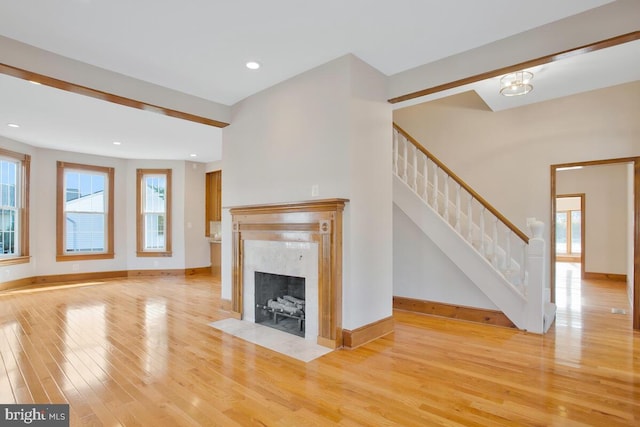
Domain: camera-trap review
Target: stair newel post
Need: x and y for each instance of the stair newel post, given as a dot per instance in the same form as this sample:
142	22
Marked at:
395	152
405	152
458	207
435	188
536	280
425	178
470	219
415	169
494	243
482	250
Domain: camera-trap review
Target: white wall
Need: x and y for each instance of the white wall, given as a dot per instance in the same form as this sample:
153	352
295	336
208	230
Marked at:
329	127
190	247
369	294
606	214
506	156
422	271
197	251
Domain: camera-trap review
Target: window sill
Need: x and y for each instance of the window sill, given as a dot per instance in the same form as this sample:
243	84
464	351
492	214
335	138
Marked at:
15	260
154	254
84	257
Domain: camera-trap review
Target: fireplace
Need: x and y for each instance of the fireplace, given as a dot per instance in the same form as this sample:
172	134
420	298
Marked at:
280	302
303	240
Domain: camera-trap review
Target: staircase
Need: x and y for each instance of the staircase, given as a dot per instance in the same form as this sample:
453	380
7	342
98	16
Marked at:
501	260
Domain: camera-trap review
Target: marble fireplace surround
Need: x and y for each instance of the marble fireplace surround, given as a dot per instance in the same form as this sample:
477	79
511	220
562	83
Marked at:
313	222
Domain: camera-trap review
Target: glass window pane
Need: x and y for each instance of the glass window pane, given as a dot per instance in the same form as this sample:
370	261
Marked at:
7	231
85	192
576	236
85	232
154	191
154	231
561	232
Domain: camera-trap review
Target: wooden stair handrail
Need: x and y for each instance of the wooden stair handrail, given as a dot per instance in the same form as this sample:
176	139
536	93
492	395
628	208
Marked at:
464	185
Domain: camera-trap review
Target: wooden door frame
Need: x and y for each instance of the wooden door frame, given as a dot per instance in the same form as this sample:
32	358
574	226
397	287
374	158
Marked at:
636	228
582	197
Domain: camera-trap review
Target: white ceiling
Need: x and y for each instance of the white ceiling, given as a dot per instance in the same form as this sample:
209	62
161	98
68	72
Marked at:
56	119
581	73
200	47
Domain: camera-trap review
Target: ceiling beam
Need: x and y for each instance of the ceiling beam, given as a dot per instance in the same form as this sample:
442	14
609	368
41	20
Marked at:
592	47
105	96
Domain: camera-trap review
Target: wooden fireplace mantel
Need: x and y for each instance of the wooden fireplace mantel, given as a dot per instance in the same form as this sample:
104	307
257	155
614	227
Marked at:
315	221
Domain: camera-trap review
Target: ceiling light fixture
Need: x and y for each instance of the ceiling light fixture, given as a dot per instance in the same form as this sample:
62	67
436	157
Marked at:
253	65
117	142
13	125
193	155
515	84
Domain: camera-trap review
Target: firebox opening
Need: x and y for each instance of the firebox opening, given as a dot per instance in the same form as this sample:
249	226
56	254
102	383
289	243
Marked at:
280	302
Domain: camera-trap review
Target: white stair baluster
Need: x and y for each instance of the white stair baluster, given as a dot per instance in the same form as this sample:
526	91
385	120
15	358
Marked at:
523	268
507	264
435	188
446	199
395	152
494	245
415	169
425	177
405	151
458	207
481	248
470	220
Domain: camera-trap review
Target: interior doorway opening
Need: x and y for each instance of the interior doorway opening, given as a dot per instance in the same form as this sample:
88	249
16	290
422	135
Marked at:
631	236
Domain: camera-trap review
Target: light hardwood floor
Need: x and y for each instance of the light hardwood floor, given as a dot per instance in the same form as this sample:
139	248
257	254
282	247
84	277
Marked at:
139	352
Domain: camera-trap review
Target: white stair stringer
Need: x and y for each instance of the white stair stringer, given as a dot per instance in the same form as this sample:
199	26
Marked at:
490	281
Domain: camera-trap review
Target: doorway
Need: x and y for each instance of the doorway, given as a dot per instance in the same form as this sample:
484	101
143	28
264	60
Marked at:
632	233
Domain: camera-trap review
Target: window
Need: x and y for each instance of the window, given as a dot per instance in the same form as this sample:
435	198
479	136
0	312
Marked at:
14	207
568	232
85	212
154	212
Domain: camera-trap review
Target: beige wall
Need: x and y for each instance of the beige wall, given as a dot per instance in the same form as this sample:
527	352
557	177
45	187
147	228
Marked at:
506	155
606	211
330	127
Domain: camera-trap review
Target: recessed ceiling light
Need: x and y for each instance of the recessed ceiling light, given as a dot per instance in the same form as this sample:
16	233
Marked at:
34	82
253	65
193	155
117	142
13	125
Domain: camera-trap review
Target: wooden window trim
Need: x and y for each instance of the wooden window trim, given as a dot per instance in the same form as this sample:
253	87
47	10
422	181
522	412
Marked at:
140	251
60	254
25	175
